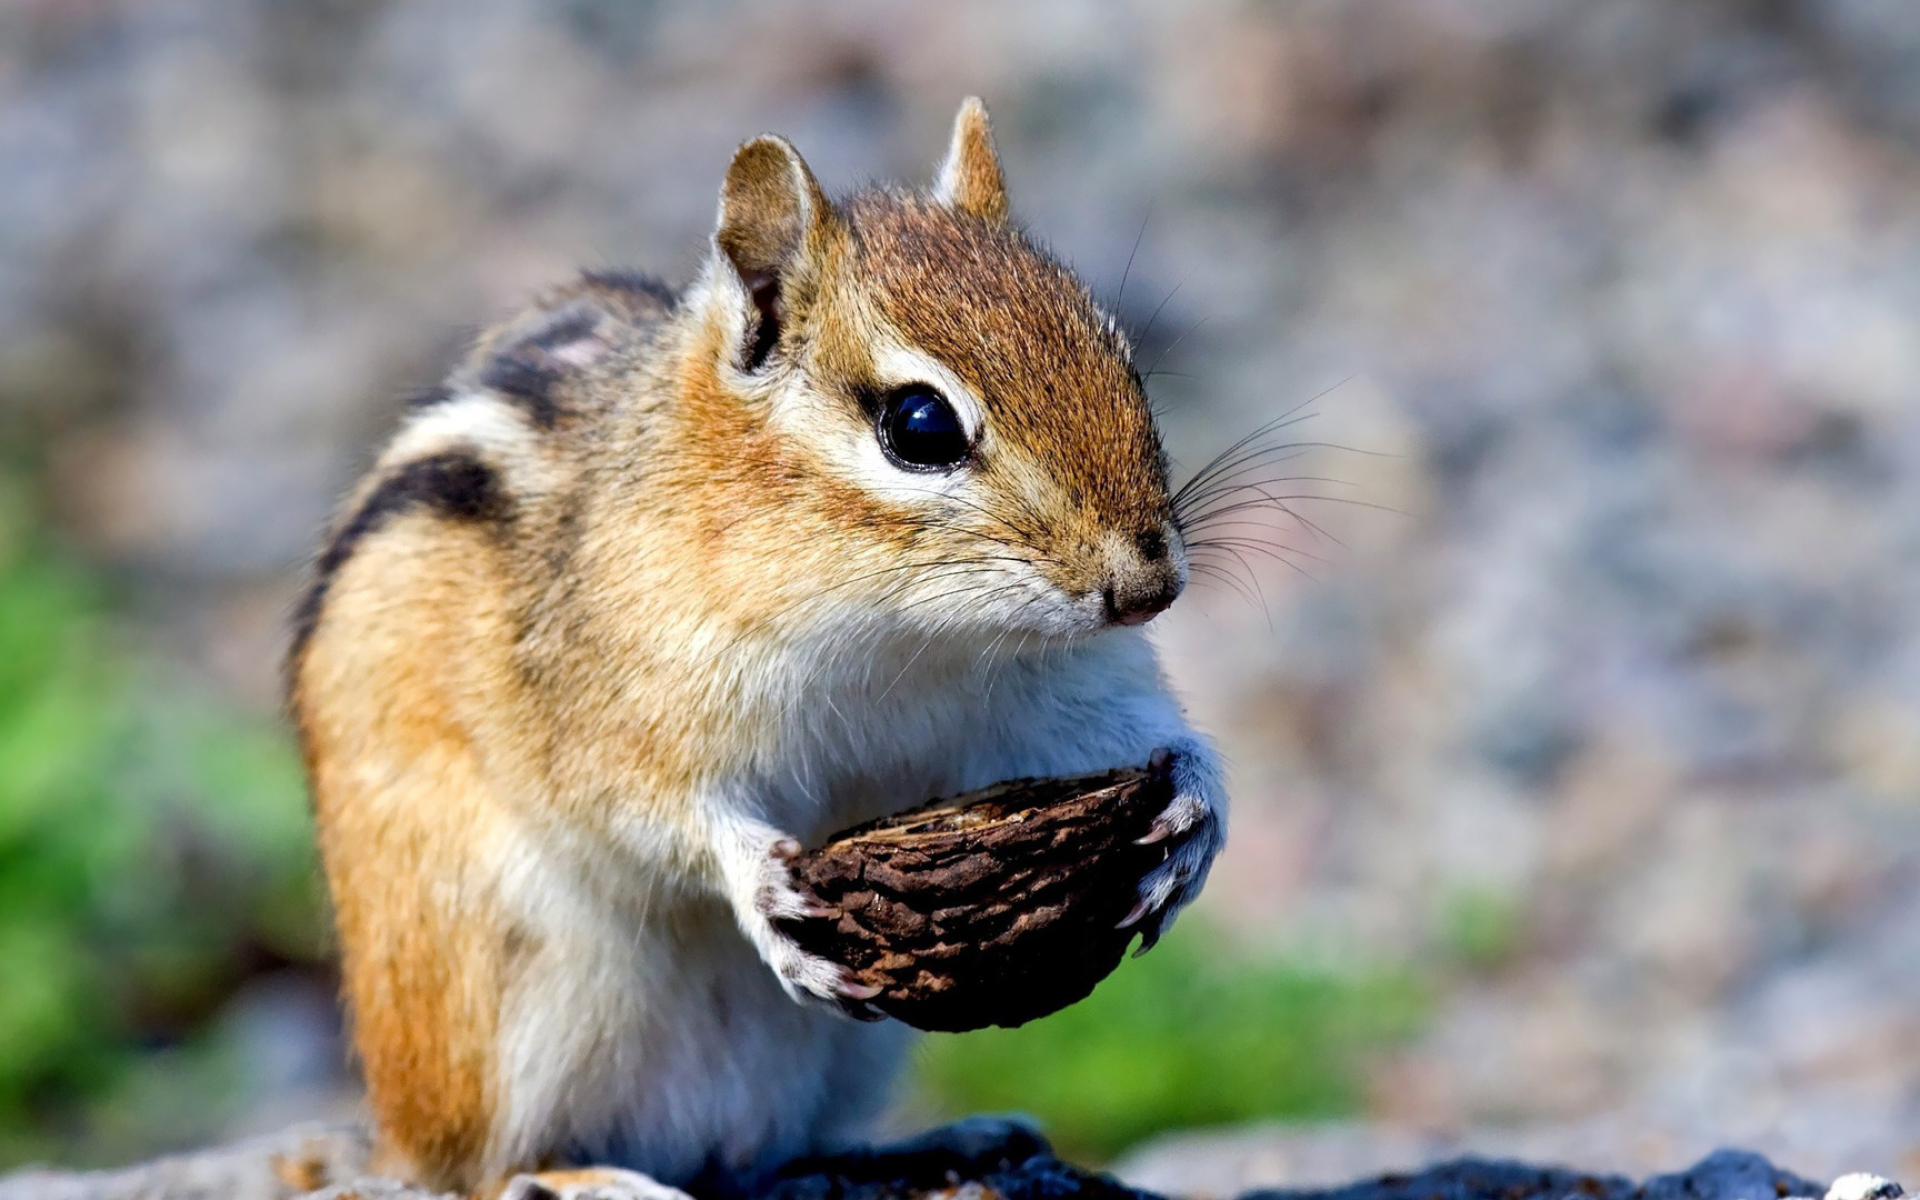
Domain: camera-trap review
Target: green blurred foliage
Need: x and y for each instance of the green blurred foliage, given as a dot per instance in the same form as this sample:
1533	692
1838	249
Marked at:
154	851
1194	1033
1481	928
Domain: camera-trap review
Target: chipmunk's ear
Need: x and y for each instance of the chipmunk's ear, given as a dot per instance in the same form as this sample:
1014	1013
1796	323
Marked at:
970	178
772	212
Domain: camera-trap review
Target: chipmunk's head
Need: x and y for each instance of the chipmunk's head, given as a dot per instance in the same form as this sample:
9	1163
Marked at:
956	426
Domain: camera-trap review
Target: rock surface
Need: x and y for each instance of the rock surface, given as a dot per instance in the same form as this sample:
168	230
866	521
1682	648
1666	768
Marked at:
325	1162
1821	1140
296	1162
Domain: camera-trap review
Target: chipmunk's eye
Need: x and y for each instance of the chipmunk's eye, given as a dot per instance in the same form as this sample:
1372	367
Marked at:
920	431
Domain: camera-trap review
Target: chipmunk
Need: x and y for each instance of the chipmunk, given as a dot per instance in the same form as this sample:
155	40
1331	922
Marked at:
661	585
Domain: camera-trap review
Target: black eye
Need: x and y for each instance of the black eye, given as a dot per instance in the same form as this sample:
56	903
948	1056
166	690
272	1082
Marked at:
920	431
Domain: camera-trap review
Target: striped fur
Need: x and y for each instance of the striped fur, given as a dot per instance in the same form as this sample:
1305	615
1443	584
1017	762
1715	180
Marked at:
636	595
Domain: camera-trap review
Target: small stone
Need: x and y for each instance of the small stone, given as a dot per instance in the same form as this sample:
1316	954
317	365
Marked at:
1862	1186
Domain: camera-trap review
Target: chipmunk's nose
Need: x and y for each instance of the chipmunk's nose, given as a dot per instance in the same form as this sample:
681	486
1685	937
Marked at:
1146	579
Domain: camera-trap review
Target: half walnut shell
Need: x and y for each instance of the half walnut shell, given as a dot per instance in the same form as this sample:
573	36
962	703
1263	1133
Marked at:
991	908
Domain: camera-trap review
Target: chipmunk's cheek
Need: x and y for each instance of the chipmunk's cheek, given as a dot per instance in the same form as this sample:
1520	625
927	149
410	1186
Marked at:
1076	616
1068	605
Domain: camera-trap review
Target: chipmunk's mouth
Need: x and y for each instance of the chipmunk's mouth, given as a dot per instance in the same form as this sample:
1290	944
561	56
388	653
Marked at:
1086	615
1137	606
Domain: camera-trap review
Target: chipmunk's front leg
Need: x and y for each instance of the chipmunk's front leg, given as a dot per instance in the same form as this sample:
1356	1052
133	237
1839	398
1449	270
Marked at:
1194	825
1135	726
755	861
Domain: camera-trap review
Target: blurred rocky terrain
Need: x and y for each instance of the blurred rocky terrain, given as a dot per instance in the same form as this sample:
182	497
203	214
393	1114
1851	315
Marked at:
1601	704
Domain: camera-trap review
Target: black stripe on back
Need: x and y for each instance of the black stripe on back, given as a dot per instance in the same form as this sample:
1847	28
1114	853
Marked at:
569	326
453	485
527	381
527	372
428	398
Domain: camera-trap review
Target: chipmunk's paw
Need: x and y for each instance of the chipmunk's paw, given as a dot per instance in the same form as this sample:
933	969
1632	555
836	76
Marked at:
810	979
1193	828
598	1183
807	978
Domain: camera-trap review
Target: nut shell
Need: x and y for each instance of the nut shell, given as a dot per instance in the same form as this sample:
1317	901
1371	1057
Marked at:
991	908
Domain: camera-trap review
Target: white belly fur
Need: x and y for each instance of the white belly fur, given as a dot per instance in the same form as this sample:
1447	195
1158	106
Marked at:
656	1039
673	1047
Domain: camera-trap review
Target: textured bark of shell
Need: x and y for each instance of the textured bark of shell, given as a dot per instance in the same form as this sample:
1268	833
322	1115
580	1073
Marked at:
991	908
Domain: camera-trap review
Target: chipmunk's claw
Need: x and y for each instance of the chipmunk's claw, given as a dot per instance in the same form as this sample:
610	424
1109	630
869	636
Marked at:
1160	832
810	979
806	977
1192	829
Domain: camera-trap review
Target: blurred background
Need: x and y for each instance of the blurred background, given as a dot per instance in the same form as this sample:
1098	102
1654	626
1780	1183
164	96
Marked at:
1576	746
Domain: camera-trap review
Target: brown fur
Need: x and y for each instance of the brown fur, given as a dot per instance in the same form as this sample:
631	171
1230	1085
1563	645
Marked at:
396	782
970	178
1055	375
555	669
